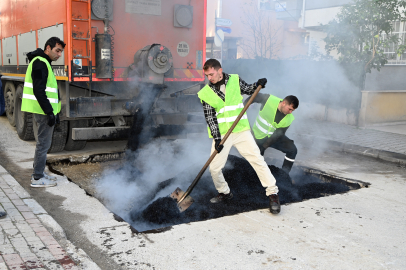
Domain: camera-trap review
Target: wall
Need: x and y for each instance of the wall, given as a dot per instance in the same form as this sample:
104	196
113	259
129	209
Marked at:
317	17
382	107
389	78
327	113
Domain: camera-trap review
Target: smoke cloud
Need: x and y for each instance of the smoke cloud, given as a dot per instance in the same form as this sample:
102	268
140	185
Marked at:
149	161
135	184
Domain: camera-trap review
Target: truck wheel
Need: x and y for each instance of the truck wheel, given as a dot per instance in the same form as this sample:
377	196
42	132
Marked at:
23	119
9	96
72	145
58	137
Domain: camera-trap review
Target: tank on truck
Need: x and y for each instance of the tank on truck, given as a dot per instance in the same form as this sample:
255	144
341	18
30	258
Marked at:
142	55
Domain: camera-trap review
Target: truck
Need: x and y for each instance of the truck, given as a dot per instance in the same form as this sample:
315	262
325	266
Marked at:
126	63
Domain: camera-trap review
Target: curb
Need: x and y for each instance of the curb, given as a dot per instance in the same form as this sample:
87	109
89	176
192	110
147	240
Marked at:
35	215
397	158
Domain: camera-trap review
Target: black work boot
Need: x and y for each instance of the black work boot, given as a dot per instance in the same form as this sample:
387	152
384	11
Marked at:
221	197
274	205
287	166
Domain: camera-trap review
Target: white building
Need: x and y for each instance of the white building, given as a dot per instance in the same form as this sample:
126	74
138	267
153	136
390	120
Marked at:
321	12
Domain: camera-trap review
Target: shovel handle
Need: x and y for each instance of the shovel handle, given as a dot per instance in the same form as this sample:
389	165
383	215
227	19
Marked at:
194	183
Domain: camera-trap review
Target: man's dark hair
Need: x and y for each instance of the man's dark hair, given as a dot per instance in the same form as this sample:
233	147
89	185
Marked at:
53	41
212	63
292	100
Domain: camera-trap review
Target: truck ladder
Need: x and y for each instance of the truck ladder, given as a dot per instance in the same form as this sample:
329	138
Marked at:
76	41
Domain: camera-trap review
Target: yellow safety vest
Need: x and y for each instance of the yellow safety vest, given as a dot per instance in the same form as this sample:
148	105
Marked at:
29	101
226	111
265	124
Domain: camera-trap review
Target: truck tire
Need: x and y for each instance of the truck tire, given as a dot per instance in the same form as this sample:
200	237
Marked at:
58	137
23	119
72	145
9	96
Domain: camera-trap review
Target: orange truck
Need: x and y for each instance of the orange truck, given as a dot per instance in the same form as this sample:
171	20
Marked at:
122	58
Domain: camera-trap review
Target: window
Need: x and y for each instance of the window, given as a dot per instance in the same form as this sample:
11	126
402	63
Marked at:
266	4
393	58
229	49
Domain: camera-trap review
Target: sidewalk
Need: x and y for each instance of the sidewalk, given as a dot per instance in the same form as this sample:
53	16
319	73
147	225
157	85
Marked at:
25	243
388	143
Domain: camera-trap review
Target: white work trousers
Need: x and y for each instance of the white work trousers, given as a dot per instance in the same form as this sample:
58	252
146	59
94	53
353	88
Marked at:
246	146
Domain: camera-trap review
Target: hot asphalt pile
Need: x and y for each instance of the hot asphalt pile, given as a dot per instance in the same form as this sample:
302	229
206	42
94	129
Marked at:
246	188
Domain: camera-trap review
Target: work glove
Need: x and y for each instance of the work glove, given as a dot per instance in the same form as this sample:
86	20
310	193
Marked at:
217	146
51	119
57	120
261	82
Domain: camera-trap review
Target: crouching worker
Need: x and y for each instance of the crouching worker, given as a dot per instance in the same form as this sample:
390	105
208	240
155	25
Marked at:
273	120
222	103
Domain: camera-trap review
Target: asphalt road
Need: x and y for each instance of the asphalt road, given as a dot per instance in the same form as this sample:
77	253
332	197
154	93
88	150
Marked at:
361	229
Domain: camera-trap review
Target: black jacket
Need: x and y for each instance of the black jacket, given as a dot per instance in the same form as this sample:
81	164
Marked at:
39	79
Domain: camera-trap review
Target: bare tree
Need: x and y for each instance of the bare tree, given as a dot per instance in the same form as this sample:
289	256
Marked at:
262	32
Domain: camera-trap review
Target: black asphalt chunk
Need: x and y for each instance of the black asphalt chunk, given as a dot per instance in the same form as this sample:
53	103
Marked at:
247	190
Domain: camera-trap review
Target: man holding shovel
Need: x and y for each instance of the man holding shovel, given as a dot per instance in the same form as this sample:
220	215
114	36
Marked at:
222	102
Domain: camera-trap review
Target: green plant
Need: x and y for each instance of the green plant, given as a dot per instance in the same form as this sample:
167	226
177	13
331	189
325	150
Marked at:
361	32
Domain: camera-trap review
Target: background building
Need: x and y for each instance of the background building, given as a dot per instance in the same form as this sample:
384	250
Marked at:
255	31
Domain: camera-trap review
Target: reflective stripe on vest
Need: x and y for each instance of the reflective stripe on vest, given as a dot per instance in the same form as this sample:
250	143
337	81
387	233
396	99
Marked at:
230	108
226	111
262	129
49	89
230	119
265	124
29	101
32	97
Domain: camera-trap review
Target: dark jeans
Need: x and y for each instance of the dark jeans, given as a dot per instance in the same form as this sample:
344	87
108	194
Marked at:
43	144
283	144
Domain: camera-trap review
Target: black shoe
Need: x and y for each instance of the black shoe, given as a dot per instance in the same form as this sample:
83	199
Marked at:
221	197
274	205
3	214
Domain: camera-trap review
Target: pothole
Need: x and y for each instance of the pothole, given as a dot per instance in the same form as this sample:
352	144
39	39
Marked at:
150	210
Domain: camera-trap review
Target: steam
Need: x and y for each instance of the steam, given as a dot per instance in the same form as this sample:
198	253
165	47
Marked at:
151	161
135	184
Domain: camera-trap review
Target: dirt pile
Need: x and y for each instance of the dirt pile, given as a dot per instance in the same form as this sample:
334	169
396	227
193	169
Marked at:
247	190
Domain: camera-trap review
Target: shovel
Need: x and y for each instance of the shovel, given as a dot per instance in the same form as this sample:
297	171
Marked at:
183	199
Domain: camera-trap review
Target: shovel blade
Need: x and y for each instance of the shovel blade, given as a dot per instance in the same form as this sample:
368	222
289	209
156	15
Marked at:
183	205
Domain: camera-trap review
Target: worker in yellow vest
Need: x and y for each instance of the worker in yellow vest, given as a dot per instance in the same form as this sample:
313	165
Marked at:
274	118
41	98
222	103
